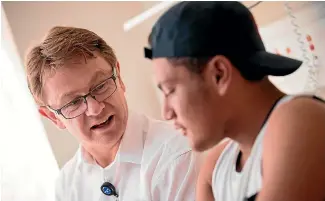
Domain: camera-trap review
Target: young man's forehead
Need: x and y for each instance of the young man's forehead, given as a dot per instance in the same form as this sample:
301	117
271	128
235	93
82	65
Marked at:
167	72
163	68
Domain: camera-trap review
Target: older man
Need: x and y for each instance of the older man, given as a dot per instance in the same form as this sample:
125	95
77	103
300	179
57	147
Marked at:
74	77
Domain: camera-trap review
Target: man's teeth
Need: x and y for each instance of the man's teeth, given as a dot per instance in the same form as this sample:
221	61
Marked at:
103	122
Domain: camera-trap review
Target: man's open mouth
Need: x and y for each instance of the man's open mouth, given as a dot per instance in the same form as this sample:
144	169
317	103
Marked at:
103	124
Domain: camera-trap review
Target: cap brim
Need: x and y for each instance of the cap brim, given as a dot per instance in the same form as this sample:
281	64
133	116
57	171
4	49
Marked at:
276	65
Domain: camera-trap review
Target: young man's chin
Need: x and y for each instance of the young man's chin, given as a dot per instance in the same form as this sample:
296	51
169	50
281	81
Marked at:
200	145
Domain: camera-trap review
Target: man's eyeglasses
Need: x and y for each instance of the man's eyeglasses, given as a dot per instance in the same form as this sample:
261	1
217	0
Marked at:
79	105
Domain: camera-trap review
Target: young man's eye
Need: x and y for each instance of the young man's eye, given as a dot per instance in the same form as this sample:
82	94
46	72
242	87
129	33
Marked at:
168	92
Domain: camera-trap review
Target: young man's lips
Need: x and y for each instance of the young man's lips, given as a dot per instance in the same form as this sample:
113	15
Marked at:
180	128
177	125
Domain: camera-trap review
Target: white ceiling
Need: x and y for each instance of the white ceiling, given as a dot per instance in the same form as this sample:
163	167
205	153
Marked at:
264	13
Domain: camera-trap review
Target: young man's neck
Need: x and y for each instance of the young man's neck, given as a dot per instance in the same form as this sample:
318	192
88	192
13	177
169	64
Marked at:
251	112
103	155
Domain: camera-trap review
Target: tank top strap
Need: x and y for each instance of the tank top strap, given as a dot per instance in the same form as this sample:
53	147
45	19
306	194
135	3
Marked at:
257	149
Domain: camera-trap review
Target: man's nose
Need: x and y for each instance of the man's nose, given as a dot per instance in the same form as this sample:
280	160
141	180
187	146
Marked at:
94	107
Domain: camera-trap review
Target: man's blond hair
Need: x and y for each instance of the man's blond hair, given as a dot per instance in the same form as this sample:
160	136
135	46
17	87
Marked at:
60	45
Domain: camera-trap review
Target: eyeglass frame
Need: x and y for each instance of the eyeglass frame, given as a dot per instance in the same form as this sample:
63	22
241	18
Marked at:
84	97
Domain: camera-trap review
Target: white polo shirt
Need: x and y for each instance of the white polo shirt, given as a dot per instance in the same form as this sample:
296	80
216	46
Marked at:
154	163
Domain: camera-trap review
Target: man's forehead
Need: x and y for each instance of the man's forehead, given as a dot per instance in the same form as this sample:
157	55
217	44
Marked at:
73	80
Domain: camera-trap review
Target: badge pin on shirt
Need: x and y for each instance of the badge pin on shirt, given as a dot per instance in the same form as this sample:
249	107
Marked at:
108	189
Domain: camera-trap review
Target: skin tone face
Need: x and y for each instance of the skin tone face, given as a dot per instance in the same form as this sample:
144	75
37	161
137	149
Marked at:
73	80
195	102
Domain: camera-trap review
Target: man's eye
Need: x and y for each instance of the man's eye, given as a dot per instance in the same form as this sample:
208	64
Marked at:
76	102
101	88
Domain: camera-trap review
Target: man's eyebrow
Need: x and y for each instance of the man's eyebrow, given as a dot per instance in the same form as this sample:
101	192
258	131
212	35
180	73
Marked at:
97	75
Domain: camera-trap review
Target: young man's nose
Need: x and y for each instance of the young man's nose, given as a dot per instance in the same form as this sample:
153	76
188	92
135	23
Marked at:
168	113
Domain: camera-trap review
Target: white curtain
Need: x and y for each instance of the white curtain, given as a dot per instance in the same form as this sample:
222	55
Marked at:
28	167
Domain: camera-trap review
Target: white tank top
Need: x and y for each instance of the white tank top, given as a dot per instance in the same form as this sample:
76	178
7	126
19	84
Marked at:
230	185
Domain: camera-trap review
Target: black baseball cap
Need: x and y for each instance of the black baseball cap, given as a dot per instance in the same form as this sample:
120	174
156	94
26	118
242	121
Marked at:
209	28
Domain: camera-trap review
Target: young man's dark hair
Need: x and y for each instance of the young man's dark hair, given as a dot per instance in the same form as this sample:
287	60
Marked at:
212	66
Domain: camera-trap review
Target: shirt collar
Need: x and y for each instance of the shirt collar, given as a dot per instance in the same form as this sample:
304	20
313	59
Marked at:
132	144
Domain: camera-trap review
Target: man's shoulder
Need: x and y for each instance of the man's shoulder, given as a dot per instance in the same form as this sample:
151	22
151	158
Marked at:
68	171
162	143
167	152
157	135
162	135
67	175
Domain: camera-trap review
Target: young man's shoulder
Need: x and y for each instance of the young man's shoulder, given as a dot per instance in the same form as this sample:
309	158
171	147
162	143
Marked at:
293	150
299	120
211	160
301	110
204	186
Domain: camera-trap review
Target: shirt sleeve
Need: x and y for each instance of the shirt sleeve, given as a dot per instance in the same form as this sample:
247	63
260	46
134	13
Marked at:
178	180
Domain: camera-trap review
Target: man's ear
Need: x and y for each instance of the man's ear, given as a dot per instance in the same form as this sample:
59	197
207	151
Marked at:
119	76
219	71
45	112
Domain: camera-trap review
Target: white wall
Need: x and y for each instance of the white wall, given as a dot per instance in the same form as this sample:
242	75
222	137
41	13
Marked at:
281	35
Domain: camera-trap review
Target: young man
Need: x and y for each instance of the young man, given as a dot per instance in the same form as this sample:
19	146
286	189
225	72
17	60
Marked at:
74	77
212	67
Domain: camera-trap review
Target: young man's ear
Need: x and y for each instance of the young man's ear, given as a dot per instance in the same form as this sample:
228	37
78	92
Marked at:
119	75
219	70
45	112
